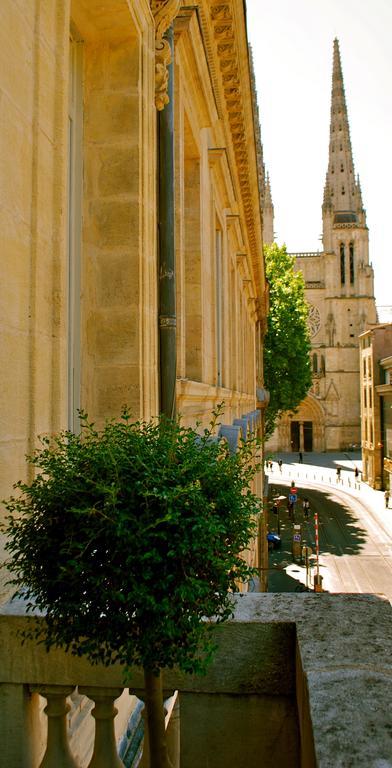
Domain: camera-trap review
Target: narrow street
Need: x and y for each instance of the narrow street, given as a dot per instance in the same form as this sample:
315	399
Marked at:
355	545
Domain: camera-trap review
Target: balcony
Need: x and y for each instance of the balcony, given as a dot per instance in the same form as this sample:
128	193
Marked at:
297	680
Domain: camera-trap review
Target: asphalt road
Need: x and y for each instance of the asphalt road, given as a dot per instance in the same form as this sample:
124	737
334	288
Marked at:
355	550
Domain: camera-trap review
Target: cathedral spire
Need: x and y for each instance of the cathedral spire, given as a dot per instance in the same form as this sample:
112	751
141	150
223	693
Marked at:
340	175
327	201
267	193
359	194
268	212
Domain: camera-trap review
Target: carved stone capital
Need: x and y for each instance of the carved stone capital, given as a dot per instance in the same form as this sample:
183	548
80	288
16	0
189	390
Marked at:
164	11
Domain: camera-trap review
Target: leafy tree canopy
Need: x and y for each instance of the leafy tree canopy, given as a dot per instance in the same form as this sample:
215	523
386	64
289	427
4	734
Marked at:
287	368
130	538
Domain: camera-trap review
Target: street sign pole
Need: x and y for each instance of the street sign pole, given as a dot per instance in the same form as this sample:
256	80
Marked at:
317	579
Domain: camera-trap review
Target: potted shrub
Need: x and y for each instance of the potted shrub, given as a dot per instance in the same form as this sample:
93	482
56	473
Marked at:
130	539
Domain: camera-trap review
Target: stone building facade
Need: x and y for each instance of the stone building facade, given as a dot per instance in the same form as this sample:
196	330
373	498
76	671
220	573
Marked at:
340	292
384	392
80	85
376	405
88	91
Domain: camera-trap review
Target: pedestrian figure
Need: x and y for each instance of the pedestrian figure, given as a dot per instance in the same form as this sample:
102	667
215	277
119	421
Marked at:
338	471
306	507
356	473
300	457
290	509
270	465
386	497
275	508
280	462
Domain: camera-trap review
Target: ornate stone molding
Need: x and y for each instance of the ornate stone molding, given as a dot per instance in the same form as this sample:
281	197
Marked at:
164	11
223	20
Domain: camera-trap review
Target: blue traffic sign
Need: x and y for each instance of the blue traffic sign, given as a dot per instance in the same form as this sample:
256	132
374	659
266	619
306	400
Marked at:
293	497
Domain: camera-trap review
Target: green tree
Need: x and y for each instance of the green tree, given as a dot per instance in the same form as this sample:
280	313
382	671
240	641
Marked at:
130	540
287	369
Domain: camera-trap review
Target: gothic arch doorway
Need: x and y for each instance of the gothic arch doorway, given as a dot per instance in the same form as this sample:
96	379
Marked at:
303	430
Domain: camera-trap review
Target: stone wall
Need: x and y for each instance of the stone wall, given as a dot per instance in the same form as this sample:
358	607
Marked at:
330	654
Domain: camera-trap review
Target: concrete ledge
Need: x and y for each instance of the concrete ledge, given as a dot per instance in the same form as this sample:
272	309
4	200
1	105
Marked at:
332	651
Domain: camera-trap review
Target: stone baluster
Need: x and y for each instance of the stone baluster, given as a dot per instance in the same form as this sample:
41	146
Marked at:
58	753
172	706
145	758
105	753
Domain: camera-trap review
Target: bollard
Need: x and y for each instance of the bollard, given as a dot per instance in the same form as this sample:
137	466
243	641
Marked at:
318	582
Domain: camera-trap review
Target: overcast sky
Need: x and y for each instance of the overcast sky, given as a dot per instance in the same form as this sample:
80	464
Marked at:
292	42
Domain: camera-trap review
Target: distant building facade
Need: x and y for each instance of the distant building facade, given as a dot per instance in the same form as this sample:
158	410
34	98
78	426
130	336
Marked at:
376	405
340	292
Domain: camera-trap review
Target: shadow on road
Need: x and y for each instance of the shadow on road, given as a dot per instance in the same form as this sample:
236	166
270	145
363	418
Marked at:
339	531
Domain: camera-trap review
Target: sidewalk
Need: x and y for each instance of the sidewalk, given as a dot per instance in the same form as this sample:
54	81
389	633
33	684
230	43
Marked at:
320	469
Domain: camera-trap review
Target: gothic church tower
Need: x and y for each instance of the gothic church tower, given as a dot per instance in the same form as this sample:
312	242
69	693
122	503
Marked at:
339	289
268	212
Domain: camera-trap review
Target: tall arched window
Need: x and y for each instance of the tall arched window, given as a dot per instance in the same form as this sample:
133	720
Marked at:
342	264
351	263
315	363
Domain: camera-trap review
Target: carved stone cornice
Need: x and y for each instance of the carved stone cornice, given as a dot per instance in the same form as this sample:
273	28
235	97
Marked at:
164	11
236	93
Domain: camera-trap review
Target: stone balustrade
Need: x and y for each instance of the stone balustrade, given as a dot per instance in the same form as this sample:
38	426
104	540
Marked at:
57	711
297	681
306	254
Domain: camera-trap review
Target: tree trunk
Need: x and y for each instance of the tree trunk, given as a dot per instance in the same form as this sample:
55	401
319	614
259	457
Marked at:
156	719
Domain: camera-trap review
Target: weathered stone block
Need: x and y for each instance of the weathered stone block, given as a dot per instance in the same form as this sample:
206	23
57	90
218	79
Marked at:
114	387
110	115
113	223
117	280
123	64
118	170
94	68
15	257
112	336
16	55
15	142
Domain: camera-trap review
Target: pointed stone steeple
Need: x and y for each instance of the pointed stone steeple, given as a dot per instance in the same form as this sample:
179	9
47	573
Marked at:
340	175
268	212
359	194
327	200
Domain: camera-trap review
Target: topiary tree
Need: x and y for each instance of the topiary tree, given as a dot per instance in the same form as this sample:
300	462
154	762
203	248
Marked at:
130	539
